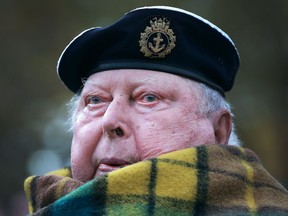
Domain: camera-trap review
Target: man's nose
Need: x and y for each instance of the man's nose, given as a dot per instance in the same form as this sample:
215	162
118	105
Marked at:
116	119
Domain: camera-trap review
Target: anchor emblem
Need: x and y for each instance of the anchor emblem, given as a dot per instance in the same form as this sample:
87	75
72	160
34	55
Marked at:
158	39
157	48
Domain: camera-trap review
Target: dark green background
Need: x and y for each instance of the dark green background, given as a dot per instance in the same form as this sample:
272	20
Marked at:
32	111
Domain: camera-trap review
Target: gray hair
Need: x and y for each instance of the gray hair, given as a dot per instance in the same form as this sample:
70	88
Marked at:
72	110
211	101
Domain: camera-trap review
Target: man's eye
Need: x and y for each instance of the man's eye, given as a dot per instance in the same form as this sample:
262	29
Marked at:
93	100
149	98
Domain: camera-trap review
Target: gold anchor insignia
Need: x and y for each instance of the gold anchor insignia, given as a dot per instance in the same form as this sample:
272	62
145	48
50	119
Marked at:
158	39
157	48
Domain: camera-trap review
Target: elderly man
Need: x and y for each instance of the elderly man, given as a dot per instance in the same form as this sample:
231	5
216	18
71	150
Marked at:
152	131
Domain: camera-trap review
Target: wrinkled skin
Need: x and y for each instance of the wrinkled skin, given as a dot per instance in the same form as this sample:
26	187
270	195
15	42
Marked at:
154	113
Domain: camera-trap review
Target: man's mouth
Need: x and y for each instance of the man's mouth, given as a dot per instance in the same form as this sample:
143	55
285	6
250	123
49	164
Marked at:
108	165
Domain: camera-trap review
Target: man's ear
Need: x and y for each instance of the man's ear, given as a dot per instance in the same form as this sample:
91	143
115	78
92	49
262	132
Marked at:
222	124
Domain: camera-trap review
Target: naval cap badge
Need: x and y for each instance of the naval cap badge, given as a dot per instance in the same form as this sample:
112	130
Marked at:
158	39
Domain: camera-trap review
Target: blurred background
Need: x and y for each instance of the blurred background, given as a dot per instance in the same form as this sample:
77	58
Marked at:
33	135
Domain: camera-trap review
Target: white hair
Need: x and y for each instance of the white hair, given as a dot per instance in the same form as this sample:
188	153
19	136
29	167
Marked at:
211	101
72	110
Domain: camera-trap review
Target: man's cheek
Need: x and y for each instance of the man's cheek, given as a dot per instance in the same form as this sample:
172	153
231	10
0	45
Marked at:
81	170
150	152
152	145
86	136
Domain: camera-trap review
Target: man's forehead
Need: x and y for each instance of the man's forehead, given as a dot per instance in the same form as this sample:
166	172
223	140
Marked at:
133	77
130	75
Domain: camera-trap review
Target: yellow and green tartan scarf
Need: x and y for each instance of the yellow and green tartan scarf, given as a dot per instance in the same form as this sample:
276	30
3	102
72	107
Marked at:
204	180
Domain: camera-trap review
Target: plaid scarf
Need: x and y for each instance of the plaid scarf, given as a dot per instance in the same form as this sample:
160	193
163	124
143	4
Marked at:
204	180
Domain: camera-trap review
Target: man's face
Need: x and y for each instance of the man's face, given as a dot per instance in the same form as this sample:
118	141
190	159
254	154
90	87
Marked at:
126	116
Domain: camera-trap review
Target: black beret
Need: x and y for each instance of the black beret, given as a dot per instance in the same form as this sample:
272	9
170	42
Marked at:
156	38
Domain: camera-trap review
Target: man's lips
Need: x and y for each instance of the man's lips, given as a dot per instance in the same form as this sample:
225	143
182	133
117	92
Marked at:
108	165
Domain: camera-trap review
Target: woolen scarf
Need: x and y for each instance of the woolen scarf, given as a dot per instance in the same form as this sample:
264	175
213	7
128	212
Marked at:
203	180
